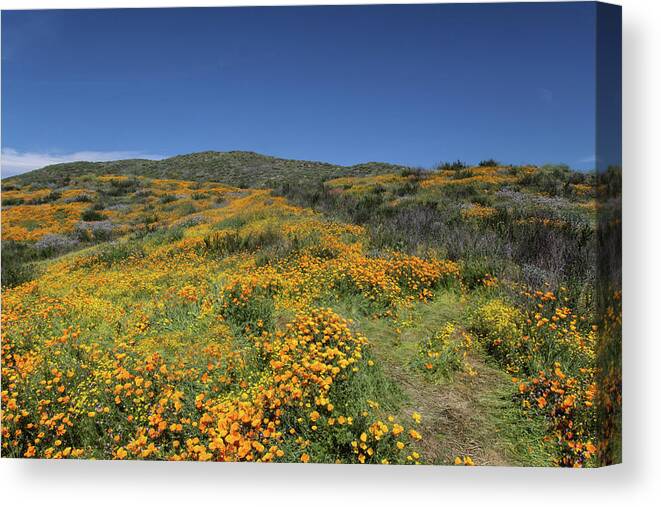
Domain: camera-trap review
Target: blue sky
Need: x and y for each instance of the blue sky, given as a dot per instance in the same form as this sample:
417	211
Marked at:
403	84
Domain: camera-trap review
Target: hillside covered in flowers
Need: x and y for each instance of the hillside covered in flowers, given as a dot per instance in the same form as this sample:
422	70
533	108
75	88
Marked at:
389	316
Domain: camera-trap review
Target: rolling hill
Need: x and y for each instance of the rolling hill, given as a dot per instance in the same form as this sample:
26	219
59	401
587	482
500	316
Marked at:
364	314
237	168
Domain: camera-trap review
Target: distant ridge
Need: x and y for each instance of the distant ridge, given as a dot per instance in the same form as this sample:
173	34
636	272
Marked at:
237	168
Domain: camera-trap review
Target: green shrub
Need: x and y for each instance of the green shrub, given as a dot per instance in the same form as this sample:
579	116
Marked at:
119	187
167	198
408	188
461	174
12	201
17	263
52	196
444	353
498	325
409	172
451	166
228	243
165	235
91	215
490	162
550	179
248	308
114	253
186	209
475	269
80	198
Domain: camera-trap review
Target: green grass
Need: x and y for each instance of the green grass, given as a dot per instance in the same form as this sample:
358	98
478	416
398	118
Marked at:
469	407
518	436
463	415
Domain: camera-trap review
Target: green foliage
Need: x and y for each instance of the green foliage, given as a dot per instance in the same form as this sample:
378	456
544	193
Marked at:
550	179
525	234
237	168
113	253
475	269
186	209
228	243
17	263
119	187
52	196
443	353
534	231
91	215
498	324
413	172
167	198
457	165
164	236
247	307
490	162
81	198
12	201
461	174
411	187
610	182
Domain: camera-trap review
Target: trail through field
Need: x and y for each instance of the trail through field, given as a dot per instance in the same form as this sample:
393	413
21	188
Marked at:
471	414
192	320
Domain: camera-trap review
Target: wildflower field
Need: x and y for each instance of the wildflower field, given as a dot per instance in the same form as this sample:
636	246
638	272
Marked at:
390	316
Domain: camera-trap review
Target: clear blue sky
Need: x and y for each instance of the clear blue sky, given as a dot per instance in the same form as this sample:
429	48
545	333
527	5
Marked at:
405	84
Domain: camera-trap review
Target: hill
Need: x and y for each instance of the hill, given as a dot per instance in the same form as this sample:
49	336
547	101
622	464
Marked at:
441	316
237	168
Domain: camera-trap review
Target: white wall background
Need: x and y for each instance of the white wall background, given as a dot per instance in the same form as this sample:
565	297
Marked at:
25	482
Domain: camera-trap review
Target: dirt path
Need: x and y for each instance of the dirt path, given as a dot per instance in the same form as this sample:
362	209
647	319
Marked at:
469	415
455	416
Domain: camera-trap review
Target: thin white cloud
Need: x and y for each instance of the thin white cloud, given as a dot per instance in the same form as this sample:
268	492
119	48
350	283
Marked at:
588	160
15	162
